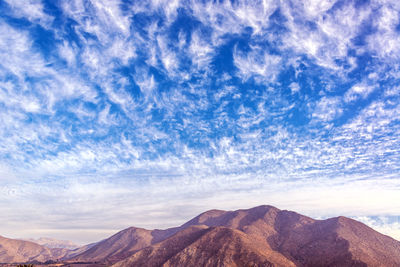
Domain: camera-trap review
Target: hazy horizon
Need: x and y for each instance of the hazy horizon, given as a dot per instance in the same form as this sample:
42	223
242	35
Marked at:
146	113
385	224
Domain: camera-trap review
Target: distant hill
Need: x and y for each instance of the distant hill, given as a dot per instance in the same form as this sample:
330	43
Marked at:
19	251
54	243
24	251
261	236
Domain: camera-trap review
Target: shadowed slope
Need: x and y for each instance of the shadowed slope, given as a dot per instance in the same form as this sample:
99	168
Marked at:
366	244
204	246
157	254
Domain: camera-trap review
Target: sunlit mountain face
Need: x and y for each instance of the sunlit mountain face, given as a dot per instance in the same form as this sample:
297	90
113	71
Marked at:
119	113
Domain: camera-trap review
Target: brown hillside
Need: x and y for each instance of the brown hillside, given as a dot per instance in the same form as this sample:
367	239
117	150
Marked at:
15	251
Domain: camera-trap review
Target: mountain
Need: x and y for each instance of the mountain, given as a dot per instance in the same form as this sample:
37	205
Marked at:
206	246
54	243
130	240
19	251
261	236
122	245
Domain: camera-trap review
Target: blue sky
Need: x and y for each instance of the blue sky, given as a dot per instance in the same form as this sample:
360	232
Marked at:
145	113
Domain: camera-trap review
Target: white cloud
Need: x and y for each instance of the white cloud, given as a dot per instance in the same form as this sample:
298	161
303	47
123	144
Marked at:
392	91
68	53
236	17
385	42
105	117
323	34
147	86
200	50
105	19
16	55
169	8
167	55
327	109
313	9
295	87
30	9
257	63
358	91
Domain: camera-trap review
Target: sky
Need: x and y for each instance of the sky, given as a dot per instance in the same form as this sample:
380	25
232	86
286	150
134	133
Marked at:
145	113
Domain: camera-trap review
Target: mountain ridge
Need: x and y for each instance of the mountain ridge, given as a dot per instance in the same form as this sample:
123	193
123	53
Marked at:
259	236
286	237
53	243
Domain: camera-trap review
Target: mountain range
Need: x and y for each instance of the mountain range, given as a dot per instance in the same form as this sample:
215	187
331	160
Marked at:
54	243
260	236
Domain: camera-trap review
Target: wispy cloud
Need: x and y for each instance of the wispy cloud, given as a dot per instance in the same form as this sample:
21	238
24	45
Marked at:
357	91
